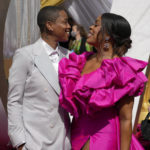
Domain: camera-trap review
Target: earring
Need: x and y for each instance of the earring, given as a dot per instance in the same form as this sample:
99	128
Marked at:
106	44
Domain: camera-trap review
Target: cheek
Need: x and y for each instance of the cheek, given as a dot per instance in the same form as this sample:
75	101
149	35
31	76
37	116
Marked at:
61	32
63	35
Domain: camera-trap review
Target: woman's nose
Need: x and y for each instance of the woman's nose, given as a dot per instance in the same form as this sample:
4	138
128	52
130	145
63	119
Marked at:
91	27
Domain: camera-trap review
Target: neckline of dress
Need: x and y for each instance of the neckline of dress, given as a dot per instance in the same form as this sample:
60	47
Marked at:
86	57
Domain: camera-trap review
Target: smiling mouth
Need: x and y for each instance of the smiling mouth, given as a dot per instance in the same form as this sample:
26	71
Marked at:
68	32
90	34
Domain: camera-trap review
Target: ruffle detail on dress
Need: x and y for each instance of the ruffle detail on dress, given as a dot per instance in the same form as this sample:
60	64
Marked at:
101	88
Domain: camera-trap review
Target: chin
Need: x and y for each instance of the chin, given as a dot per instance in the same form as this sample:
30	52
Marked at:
90	42
65	39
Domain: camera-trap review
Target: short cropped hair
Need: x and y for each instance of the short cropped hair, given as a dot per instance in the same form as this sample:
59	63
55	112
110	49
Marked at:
48	13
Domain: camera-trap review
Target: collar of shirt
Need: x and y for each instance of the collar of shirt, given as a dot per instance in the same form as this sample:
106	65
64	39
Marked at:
52	53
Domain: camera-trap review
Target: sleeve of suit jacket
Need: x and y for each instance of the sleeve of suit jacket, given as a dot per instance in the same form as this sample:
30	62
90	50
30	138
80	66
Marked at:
17	78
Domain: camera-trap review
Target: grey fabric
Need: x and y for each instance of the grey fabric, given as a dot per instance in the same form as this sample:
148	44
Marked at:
34	114
21	27
85	12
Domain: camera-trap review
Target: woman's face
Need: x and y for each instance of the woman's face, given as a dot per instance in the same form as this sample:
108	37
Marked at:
74	28
74	31
93	32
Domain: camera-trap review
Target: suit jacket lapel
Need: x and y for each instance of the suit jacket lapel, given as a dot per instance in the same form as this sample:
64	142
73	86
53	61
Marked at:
63	52
45	66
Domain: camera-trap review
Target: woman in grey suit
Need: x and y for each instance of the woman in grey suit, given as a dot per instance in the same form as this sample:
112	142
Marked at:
35	119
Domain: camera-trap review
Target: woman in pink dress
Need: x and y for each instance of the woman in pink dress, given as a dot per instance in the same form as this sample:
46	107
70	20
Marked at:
98	89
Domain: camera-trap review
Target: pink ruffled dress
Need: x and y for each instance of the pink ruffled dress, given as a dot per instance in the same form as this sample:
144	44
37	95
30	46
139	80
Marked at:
91	98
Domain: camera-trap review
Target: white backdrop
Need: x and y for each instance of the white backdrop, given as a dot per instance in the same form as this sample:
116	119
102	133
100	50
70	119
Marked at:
137	12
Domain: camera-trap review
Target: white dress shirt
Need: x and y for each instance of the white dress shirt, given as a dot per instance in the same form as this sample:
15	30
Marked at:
52	53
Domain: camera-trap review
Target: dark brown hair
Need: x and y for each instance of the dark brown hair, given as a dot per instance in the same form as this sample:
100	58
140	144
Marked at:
48	13
119	30
81	29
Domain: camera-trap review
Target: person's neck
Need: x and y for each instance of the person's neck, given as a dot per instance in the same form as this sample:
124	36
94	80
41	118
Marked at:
50	40
102	54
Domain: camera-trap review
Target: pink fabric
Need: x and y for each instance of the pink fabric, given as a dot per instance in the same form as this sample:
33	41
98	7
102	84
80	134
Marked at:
91	98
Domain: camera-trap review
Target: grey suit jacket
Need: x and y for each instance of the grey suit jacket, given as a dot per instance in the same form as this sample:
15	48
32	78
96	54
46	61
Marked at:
34	114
